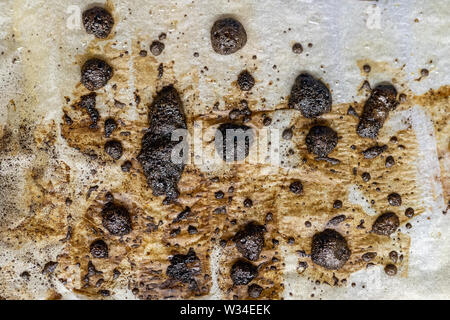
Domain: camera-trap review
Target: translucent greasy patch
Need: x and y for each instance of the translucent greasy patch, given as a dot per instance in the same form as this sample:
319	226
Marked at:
56	178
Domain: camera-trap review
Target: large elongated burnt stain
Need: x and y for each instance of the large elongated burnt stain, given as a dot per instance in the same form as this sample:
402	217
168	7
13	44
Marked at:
166	115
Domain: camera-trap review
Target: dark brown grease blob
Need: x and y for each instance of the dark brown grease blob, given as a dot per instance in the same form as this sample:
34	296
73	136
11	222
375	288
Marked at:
156	48
88	103
310	96
228	36
376	110
95	74
116	219
110	126
245	81
395	199
243	272
98	21
321	140
390	269
250	241
233	141
390	162
297	48
184	268
386	224
409	212
296	187
329	249
114	149
99	249
166	115
254	291
369	256
374	151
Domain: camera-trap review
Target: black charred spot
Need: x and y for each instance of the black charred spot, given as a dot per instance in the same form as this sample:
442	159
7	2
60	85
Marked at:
95	74
374	151
254	291
250	241
243	272
228	36
114	149
245	81
386	224
98	21
296	187
110	126
166	115
156	48
184	268
116	219
376	110
329	249
99	249
88	103
321	140
310	96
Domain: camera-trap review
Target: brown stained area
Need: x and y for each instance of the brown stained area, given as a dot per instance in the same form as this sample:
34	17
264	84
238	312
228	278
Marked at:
142	256
437	105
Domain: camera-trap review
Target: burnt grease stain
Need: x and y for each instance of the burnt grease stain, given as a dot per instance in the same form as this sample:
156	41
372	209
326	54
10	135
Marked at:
310	96
228	36
95	74
329	249
382	100
98	21
166	115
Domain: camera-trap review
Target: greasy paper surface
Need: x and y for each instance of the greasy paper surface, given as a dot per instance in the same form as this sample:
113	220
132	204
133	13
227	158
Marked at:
44	161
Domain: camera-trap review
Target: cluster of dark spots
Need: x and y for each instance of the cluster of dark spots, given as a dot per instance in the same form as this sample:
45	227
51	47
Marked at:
126	166
386	224
114	149
156	47
297	48
310	96
95	74
184	268
233	141
390	269
99	249
329	249
49	267
369	256
376	110
374	151
321	140
116	219
98	21
365	176
395	199
250	241
254	291
390	162
88	103
110	126
296	187
227	36
245	81
336	220
243	272
166	115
